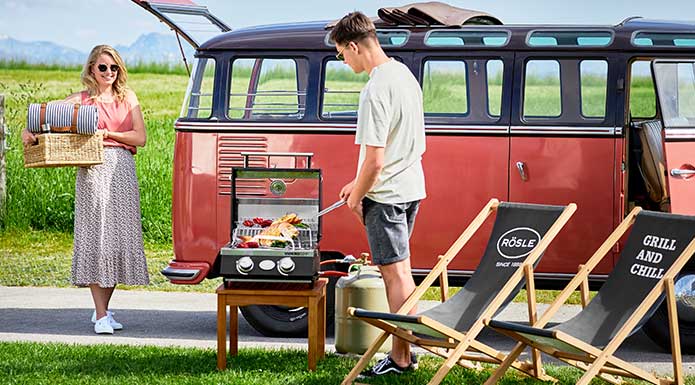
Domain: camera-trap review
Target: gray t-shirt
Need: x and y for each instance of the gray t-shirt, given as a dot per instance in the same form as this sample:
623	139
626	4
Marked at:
391	116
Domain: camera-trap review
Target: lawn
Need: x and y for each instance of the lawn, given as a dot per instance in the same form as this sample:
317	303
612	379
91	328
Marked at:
55	364
43	258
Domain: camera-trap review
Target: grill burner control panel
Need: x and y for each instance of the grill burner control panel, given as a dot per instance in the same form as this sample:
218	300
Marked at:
284	266
263	267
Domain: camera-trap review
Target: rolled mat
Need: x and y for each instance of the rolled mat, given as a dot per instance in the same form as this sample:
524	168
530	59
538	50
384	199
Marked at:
62	117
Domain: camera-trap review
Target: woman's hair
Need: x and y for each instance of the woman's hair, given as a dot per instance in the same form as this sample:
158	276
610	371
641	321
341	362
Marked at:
119	86
355	27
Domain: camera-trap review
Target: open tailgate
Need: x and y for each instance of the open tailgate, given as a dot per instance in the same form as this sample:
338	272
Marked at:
192	21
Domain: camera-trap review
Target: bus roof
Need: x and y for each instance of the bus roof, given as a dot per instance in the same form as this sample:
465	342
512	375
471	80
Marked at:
313	36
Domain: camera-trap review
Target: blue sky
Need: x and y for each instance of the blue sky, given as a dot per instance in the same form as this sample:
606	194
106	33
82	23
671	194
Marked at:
82	24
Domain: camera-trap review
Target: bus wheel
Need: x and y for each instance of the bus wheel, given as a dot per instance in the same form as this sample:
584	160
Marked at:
283	321
657	326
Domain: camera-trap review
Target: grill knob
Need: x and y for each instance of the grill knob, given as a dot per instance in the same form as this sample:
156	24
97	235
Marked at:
286	265
244	265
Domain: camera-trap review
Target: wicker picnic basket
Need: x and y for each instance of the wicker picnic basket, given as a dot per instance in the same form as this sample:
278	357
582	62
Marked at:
58	150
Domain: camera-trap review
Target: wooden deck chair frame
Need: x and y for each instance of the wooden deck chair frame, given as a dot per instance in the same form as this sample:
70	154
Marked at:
455	350
602	362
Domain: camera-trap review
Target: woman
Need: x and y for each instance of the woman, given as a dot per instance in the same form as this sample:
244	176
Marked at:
108	247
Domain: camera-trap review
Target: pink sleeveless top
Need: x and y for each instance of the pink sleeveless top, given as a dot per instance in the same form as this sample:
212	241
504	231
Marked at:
114	117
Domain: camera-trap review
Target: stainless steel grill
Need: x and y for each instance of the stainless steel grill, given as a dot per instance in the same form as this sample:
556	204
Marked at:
287	190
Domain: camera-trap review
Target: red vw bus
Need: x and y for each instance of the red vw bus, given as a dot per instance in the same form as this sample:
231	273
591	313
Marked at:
603	116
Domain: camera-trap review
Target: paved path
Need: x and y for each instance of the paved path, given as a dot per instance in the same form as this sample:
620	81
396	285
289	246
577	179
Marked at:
189	319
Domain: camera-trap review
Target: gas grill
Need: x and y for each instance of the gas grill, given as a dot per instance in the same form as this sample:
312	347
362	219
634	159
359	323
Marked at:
270	193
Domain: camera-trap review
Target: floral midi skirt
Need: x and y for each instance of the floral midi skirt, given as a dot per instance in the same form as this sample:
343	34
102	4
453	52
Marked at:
108	246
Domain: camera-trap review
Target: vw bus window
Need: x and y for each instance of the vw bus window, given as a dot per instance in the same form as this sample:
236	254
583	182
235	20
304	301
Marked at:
570	38
341	91
495	69
642	94
265	88
593	77
444	89
676	93
387	38
663	39
542	89
198	101
467	38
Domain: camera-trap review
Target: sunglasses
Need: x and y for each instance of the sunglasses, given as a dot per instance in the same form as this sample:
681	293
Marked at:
340	56
104	67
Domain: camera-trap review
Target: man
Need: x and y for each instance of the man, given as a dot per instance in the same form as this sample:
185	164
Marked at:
390	183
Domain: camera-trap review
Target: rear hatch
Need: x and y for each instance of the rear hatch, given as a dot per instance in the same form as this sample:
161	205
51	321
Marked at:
189	20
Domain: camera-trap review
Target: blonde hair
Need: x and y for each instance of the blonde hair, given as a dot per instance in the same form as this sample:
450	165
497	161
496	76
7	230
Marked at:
119	86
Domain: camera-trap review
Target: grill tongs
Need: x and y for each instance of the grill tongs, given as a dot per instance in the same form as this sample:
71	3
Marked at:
329	208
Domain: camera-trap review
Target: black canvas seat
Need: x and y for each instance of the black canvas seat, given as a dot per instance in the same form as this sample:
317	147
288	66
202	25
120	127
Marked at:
657	248
520	235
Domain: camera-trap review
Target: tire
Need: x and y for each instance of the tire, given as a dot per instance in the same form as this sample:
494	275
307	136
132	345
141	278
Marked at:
282	321
656	327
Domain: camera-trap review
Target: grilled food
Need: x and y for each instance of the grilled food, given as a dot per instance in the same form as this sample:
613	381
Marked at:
290	218
279	229
276	233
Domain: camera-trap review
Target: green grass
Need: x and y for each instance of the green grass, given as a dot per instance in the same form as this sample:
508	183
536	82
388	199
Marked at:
542	296
139	67
55	364
44	258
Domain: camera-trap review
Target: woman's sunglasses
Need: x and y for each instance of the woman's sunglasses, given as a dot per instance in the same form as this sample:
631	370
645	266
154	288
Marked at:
104	67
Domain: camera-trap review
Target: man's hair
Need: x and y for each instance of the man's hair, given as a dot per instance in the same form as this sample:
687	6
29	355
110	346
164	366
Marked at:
355	27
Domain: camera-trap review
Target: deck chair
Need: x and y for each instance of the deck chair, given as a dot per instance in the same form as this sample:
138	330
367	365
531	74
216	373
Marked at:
520	235
657	248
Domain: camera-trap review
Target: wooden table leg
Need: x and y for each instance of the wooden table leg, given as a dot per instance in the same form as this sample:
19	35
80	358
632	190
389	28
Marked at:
322	327
221	332
233	330
313	334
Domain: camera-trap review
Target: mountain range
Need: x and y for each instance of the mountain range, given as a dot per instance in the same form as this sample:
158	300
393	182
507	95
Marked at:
148	48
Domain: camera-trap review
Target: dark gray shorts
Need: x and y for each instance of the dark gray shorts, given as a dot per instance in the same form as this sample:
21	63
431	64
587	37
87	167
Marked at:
389	227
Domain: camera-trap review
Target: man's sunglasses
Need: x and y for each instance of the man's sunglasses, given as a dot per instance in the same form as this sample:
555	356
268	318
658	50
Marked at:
104	67
340	56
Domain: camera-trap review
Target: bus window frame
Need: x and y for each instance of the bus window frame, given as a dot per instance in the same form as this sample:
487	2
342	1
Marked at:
612	57
229	67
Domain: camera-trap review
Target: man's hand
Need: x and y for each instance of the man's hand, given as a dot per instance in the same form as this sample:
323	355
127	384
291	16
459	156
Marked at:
355	204
347	190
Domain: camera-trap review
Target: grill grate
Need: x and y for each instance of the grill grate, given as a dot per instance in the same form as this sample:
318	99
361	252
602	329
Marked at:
304	241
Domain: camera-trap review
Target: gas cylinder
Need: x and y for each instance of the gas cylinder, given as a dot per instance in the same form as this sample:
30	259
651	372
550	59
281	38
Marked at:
363	288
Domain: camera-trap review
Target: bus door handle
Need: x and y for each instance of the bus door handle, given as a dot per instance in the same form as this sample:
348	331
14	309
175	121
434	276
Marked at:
682	172
521	166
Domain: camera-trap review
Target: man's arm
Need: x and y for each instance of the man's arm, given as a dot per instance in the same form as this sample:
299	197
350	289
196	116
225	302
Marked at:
369	172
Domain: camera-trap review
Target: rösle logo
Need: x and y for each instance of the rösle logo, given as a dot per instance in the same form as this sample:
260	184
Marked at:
517	242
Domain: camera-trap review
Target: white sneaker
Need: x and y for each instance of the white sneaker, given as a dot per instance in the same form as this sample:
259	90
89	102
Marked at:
114	324
102	326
